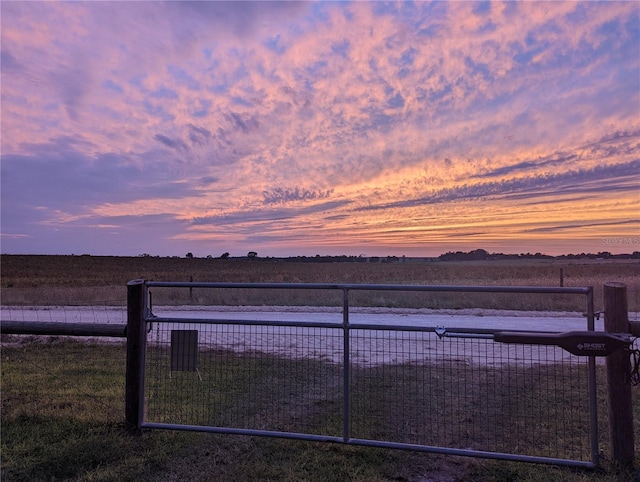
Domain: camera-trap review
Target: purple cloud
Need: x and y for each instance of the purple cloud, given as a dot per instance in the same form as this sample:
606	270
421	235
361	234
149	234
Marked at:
229	121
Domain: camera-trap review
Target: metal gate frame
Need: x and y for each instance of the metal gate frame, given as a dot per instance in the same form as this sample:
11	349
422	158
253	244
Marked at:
140	319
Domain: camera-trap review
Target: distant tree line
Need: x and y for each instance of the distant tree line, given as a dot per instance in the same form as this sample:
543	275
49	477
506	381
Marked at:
344	259
481	254
474	255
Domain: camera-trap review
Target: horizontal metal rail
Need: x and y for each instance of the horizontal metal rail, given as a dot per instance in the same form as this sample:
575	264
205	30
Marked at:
375	287
53	328
374	443
200	321
449	332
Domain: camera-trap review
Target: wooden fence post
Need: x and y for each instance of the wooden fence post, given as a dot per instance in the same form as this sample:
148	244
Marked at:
136	350
616	320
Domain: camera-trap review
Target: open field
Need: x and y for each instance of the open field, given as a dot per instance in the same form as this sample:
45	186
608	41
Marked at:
62	405
50	280
63	402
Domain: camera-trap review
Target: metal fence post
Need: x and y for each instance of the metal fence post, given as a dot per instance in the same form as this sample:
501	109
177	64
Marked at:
346	409
616	320
136	348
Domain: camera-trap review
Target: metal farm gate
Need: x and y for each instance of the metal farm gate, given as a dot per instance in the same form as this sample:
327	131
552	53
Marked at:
342	375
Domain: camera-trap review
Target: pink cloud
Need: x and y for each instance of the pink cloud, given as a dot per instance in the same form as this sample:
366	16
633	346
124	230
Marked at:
359	100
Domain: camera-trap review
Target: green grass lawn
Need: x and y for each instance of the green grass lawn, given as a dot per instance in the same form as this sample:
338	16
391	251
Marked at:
63	410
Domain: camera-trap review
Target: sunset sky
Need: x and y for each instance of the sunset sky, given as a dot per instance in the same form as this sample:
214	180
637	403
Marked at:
410	128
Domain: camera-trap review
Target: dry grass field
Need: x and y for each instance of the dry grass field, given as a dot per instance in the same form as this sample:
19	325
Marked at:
46	280
62	401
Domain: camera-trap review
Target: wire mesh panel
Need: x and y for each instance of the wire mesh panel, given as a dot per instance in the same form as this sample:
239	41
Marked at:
409	387
469	393
271	378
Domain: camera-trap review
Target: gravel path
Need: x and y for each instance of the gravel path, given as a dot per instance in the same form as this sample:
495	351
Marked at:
369	347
